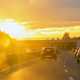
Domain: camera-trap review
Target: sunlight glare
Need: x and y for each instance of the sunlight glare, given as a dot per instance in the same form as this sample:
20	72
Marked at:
15	29
20	31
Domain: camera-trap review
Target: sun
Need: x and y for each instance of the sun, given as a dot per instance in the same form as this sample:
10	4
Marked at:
14	29
20	31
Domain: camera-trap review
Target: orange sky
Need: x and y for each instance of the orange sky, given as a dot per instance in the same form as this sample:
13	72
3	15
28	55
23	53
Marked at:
19	30
43	14
48	12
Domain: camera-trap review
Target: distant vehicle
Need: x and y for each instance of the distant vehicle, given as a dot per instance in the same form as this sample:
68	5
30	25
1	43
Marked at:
77	54
49	53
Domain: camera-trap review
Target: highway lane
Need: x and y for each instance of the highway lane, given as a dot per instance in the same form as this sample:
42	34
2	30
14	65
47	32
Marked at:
64	68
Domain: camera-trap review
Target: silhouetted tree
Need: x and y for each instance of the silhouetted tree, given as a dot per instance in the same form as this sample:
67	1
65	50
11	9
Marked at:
66	36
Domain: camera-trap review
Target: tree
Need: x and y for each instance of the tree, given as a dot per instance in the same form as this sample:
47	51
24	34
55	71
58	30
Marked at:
66	36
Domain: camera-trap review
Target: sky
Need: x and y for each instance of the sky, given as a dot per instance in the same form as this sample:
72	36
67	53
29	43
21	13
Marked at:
39	14
18	31
49	12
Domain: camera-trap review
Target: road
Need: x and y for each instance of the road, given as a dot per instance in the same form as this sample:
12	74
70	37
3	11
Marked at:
64	68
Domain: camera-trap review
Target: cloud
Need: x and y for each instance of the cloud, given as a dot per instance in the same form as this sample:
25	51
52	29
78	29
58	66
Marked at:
55	10
41	10
56	3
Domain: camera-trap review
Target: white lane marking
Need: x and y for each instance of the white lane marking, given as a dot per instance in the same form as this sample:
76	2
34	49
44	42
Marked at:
71	78
64	65
66	70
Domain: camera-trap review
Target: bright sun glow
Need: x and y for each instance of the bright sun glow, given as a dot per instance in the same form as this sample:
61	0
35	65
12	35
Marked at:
14	29
18	31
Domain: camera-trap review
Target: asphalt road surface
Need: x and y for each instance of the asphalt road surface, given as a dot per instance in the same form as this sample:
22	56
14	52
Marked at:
64	68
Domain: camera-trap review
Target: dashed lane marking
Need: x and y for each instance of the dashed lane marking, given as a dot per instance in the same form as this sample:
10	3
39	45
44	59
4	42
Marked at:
66	70
70	78
64	66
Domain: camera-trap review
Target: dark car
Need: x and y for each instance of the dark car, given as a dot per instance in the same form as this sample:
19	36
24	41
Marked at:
49	53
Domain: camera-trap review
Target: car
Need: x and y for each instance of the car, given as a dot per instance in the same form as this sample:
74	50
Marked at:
49	53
